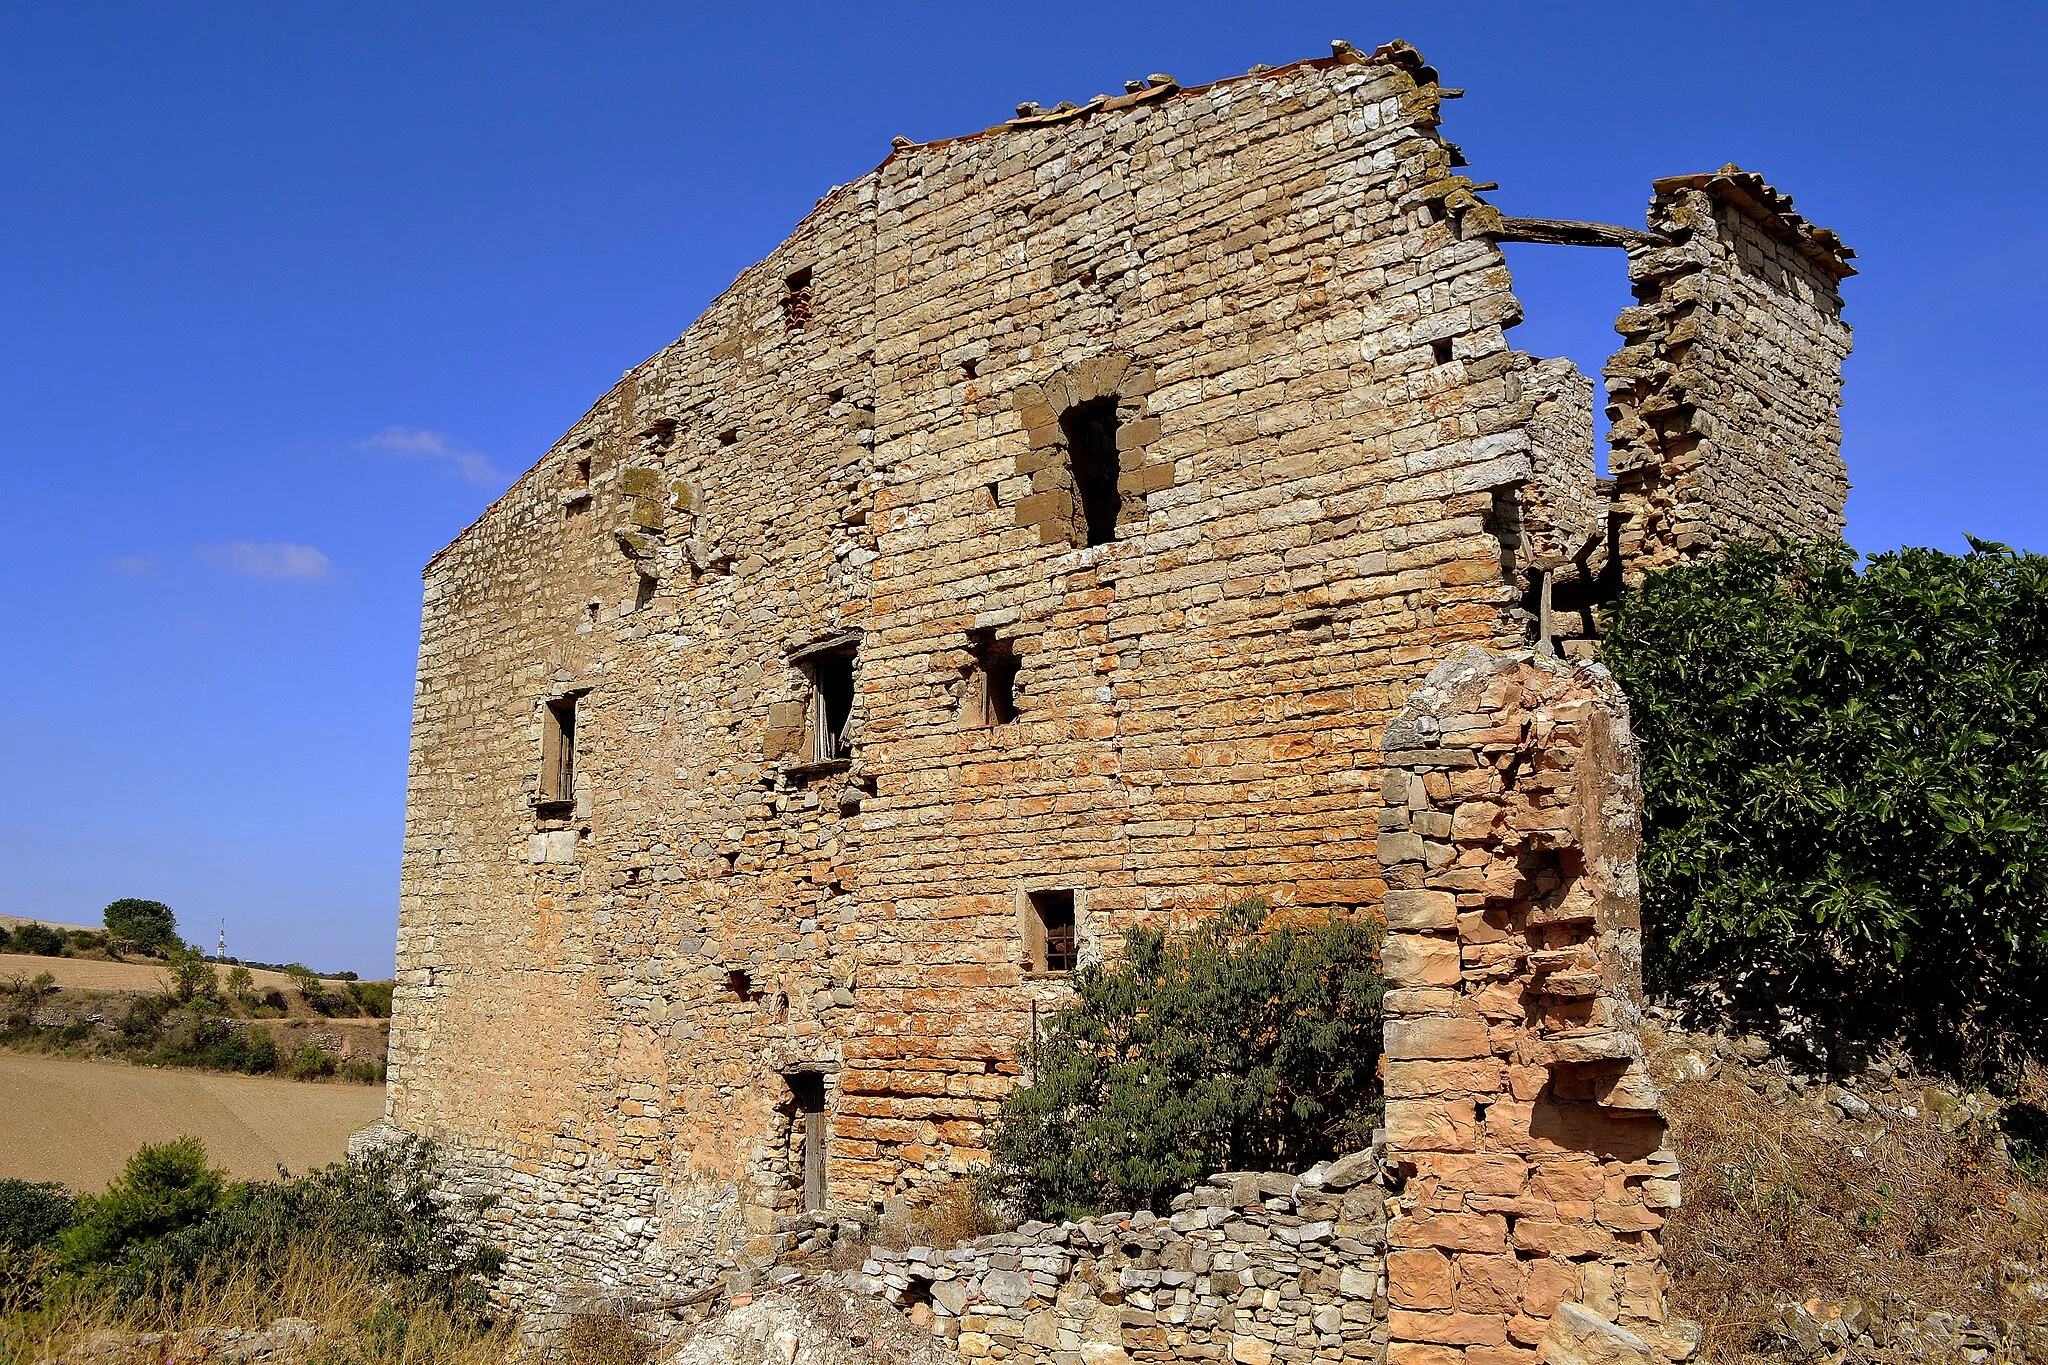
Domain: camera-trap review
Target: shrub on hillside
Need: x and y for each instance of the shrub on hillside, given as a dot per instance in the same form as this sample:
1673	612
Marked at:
371	997
193	976
32	1214
148	925
39	939
309	1062
1846	792
1251	1042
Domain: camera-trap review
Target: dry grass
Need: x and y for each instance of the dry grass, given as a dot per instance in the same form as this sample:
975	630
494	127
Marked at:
360	1321
1785	1203
958	1213
601	1339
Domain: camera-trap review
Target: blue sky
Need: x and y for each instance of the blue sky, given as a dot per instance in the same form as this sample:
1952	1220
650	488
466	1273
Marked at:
289	292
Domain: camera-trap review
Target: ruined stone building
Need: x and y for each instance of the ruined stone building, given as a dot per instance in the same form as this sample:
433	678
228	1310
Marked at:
1039	541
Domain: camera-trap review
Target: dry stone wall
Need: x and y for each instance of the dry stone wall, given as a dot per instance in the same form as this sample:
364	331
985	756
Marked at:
1251	1267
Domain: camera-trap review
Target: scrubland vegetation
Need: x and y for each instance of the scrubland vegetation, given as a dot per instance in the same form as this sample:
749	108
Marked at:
363	1249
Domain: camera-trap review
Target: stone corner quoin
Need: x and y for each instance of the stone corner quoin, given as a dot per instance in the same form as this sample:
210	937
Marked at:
1083	523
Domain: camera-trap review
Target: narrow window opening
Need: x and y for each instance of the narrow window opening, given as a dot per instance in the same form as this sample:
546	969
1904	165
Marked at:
796	301
591	609
1090	429
992	688
969	368
1504	524
807	1135
1051	941
583	472
643	592
740	986
558	752
831	705
730	437
1441	349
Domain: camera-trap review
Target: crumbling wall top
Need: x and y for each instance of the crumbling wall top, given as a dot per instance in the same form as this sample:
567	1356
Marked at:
1771	208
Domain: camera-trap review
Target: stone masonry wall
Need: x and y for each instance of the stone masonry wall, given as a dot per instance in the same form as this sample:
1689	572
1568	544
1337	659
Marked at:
1254	1268
1519	1108
610	1006
1726	397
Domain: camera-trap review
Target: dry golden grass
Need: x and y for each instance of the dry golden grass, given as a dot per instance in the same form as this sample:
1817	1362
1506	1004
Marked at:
1784	1203
360	1321
601	1339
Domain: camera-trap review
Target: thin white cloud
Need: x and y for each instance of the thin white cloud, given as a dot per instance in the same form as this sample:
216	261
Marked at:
277	559
415	443
133	565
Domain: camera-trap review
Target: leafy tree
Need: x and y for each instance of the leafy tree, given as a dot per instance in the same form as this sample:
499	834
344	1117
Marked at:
1846	793
241	984
164	1187
1250	1042
192	975
149	925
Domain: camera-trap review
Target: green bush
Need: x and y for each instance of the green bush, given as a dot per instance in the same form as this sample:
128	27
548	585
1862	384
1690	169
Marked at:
1251	1042
371	997
193	976
149	925
32	1214
163	1188
363	1071
171	1227
309	1062
381	1207
39	939
1846	794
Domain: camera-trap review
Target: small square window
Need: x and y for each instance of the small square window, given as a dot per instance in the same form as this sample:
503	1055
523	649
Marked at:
1052	941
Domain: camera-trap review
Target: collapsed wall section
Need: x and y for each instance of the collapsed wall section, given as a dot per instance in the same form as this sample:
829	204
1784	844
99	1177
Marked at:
1519	1109
1725	399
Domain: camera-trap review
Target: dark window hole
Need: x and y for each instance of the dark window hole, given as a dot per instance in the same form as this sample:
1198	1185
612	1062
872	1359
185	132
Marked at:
1090	429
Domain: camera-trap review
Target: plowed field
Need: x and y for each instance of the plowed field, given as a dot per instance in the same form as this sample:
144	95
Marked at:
77	1122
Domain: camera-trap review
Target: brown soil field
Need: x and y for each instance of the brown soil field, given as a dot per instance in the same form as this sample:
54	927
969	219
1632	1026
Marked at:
91	974
78	1122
